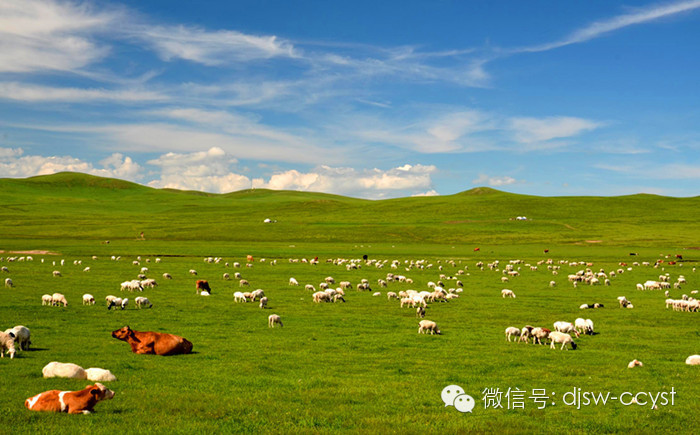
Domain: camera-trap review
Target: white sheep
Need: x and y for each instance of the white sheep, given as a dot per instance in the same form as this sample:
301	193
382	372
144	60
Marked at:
8	282
193	272
693	360
21	335
263	302
243	283
589	327
512	331
99	375
274	319
88	299
560	337
634	363
319	297
58	298
167	276
227	276
376	294
391	295
46	300
507	293
293	281
7	342
141	301
566	327
56	273
428	325
113	302
539	335
57	369
420	312
239	297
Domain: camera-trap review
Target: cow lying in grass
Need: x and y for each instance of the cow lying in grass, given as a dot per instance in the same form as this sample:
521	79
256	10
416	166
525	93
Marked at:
154	343
72	402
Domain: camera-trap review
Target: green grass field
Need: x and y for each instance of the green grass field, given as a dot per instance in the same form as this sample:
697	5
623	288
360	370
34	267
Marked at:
358	366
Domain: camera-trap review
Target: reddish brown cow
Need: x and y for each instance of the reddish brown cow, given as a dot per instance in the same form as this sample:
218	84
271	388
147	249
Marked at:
154	343
202	285
72	402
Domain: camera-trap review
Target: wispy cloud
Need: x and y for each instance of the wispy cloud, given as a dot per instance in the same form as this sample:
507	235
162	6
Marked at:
211	48
603	27
530	130
494	181
35	93
38	35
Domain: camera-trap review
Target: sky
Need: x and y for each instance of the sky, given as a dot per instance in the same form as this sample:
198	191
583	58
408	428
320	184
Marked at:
369	99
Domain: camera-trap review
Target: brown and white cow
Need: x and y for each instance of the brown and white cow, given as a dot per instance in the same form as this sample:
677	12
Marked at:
72	402
202	286
153	343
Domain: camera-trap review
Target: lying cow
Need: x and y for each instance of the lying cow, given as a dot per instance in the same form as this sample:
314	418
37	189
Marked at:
72	402
154	343
202	286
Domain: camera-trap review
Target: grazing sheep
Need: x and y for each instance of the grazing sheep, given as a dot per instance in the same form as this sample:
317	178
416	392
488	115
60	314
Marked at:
319	297
338	297
539	335
46	300
56	369
167	276
243	283
227	276
149	282
193	272
560	337
526	333
391	295
88	299
58	298
8	282
56	273
113	302
239	297
99	375
274	319
565	327
507	293
634	363
420	312
693	360
142	302
552	283
21	336
428	325
263	302
7	342
293	281
512	331
589	327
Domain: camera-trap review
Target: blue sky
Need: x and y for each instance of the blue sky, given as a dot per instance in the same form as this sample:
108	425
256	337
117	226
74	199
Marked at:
366	99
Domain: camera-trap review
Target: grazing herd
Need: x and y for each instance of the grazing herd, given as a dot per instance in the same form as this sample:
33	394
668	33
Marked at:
437	292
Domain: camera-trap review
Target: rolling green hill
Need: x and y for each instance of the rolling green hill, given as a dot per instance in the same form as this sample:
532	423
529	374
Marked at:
84	207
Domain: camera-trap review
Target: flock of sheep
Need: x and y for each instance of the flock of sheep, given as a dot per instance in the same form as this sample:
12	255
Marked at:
437	291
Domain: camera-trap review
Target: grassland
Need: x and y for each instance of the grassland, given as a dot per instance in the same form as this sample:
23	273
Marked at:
358	366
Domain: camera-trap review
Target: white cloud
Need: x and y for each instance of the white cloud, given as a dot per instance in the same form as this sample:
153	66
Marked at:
602	27
35	93
494	181
40	35
212	47
367	183
432	192
15	164
530	130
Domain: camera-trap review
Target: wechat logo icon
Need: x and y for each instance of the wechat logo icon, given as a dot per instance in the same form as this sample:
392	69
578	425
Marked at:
453	395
